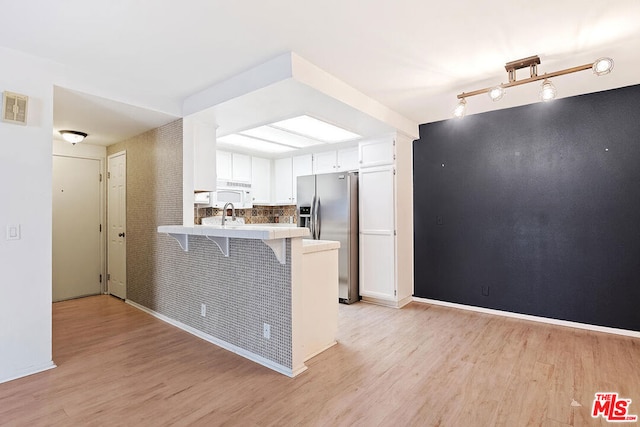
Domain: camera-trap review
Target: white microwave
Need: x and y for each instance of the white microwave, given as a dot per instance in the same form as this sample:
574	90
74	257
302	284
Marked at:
238	193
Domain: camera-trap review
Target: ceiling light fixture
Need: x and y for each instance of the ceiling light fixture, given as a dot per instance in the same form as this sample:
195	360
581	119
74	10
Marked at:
548	91
600	67
496	93
73	136
460	109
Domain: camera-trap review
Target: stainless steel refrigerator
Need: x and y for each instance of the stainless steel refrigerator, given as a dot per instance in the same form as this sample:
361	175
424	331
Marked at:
328	206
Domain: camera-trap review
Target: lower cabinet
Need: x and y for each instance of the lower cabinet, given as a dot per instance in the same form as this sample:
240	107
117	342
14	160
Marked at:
377	267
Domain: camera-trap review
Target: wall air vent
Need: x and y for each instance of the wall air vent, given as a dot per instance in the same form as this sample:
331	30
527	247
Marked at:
14	108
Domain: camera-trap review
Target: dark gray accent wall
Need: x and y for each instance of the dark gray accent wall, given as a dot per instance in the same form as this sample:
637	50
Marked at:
534	210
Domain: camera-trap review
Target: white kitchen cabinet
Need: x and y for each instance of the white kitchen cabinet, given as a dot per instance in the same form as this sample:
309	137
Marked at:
386	220
204	150
283	174
224	165
286	173
240	167
261	180
376	152
377	267
377	233
302	165
233	166
345	159
324	162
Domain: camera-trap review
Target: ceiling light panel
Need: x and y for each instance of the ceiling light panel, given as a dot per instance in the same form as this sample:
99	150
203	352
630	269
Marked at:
280	136
317	129
241	141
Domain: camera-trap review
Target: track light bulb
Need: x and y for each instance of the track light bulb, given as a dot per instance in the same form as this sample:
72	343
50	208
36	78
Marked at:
602	66
548	91
496	93
460	109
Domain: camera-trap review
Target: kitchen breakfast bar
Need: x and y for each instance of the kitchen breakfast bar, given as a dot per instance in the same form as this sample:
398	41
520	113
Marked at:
266	293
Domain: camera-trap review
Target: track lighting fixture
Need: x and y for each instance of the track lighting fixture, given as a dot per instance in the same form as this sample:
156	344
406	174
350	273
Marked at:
548	92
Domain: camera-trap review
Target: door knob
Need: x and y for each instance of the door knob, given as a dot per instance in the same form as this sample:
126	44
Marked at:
120	234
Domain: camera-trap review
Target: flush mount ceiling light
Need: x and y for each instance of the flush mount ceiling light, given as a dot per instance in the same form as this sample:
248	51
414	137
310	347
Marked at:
73	136
548	92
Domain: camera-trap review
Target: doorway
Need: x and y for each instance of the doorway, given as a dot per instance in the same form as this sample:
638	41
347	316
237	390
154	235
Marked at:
117	220
76	224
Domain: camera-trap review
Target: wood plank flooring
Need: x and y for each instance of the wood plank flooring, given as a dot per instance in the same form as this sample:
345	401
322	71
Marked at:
423	365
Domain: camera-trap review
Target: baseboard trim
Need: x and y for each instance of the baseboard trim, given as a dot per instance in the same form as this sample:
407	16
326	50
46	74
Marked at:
30	371
315	353
387	302
220	343
577	325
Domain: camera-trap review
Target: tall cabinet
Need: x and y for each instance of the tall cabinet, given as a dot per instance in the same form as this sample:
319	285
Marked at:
386	219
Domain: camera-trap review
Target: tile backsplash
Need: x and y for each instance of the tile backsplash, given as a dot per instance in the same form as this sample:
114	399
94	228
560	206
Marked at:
259	214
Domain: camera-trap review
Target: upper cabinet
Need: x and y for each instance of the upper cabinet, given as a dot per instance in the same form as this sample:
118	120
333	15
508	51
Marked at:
286	173
261	180
283	173
204	146
345	159
302	165
377	152
233	166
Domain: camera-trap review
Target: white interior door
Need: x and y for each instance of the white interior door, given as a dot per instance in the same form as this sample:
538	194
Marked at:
117	223
76	263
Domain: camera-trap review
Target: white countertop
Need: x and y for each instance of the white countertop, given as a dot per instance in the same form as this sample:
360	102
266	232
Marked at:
238	231
310	246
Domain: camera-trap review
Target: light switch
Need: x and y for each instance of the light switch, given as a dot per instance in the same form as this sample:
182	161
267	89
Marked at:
13	232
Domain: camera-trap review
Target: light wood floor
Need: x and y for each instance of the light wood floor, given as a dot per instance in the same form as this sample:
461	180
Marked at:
423	365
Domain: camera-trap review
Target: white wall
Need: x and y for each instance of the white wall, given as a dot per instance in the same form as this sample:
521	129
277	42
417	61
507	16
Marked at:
89	151
25	199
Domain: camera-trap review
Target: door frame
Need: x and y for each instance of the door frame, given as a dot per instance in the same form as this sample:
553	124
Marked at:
103	216
108	225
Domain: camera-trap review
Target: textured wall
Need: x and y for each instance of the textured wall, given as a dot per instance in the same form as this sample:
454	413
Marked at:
241	292
534	209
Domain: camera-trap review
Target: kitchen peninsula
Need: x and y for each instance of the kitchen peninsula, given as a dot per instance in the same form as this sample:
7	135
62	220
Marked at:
267	294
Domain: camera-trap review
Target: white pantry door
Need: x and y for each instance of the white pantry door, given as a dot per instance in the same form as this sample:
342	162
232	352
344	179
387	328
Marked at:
76	257
117	223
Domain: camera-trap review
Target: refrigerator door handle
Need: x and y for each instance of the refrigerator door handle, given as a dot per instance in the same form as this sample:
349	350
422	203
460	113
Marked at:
318	219
312	227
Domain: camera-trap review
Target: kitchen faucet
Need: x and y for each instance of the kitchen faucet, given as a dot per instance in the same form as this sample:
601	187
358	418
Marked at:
224	212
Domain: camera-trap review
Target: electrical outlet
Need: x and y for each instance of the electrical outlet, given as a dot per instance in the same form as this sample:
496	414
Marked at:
485	291
266	330
203	310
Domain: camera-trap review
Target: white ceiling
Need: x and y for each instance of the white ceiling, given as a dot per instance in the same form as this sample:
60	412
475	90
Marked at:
412	56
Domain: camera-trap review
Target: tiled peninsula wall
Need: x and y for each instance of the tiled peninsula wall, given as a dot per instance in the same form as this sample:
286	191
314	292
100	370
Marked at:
241	292
259	214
